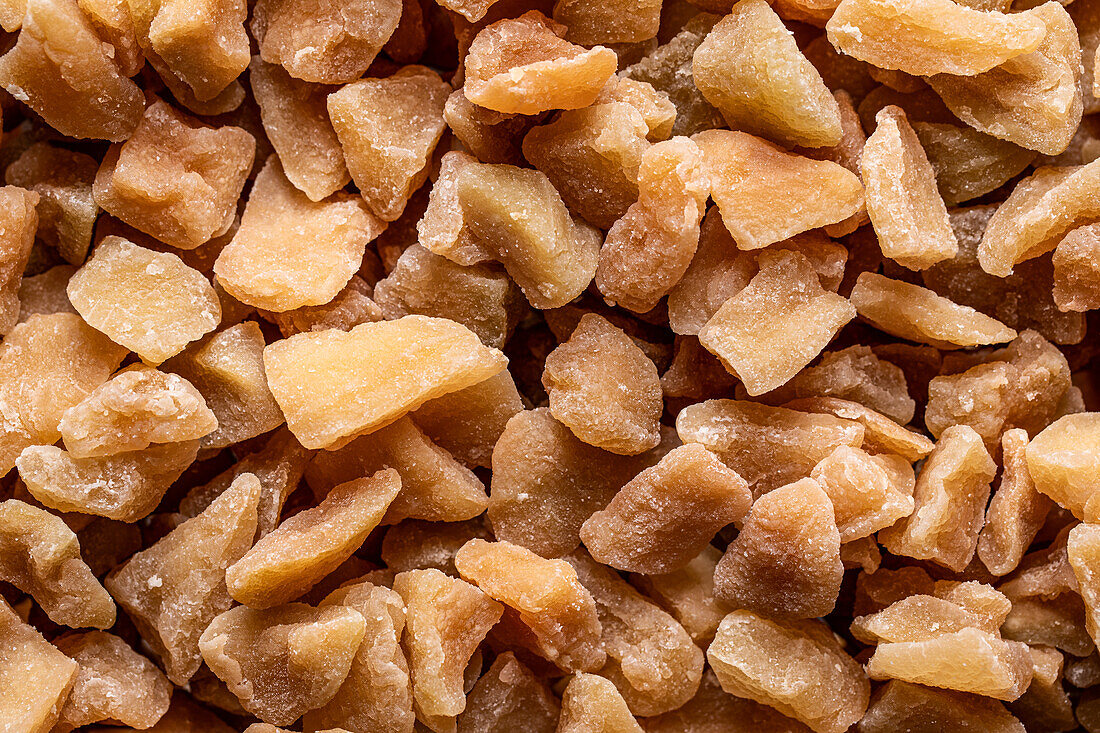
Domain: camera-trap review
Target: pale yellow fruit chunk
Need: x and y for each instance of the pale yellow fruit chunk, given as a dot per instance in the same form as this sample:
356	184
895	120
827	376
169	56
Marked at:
591	704
35	677
1064	461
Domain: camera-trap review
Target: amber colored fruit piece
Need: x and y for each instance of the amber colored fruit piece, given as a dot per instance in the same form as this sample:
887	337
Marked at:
901	705
713	706
1016	512
591	22
376	696
434	486
35	677
759	658
665	516
446	619
480	297
41	557
968	163
442	229
604	388
695	373
45	293
688	595
291	252
937	37
768	446
113	23
18	223
651	658
546	597
335	384
492	137
875	592
517	216
592	704
1034	99
173	589
283	661
62	70
1061	460
785	563
196	171
905	206
1076	274
113	682
912	312
656	108
388	128
865	495
318	42
1083	549
951	494
305	548
777	324
522	65
1045	705
751	70
882	436
648	250
751	179
509	697
150	302
350	307
415	544
468	423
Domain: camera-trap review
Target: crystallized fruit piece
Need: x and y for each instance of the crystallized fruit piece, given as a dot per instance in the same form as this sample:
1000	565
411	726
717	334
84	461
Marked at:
1076	269
688	594
591	704
522	65
61	69
173	589
667	514
545	597
865	494
113	682
604	388
797	667
291	252
951	494
351	306
751	70
35	677
655	107
387	129
590	22
41	556
283	661
509	697
45	293
443	230
519	218
293	557
933	37
968	163
919	314
335	384
1062	461
904	706
882	436
751	179
150	302
1017	511
323	42
777	324
712	703
1083	552
416	544
175	178
468	423
18	223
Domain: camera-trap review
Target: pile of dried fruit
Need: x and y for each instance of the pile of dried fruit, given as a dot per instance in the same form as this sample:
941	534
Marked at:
379	366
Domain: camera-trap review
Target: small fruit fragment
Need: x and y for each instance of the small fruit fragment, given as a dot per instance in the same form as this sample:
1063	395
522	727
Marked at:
591	704
492	137
1062	461
688	594
901	705
35	677
865	494
712	703
1076	273
590	22
881	435
468	423
969	163
1083	552
1016	512
18	224
509	697
442	230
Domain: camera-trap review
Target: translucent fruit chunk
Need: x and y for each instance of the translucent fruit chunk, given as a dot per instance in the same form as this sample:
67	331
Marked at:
604	388
591	704
751	179
688	594
41	557
509	697
749	67
1083	552
968	163
1062	461
492	137
1076	274
901	705
522	65
864	491
336	384
150	302
712	703
35	677
283	661
591	22
18	224
442	229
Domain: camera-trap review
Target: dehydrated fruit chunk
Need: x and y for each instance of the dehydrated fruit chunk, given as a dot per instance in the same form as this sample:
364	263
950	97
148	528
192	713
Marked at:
882	436
290	559
446	619
936	37
509	697
492	137
761	659
590	22
442	229
291	252
45	293
388	128
546	597
768	446
66	209
951	494
688	594
518	217
785	563
173	589
149	302
1076	276
323	42
468	423
969	163
283	661
751	179
1062	461
1083	552
35	678
522	65
711	704
864	492
604	388
113	682
351	306
655	107
751	70
665	516
919	314
777	324
591	704
901	705
905	206
1016	512
175	178
62	70
18	223
336	384
40	555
